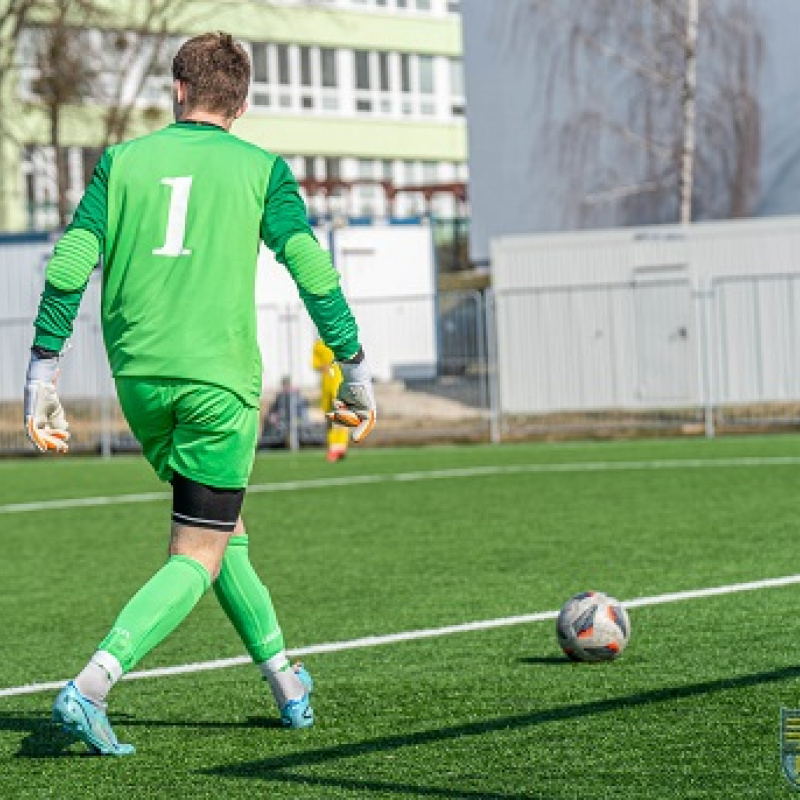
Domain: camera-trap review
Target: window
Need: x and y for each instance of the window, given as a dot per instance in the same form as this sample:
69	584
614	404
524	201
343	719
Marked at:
456	77
405	72
418	84
333	168
305	66
457	99
260	66
284	76
89	156
277	68
426	82
313	168
366	195
301	78
362	70
373	72
114	65
328	59
383	68
365	168
41	184
310	167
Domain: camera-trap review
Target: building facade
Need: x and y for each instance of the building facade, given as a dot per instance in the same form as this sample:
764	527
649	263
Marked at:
351	92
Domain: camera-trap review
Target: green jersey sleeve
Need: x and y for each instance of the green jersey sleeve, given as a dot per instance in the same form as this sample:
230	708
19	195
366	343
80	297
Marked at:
285	230
75	256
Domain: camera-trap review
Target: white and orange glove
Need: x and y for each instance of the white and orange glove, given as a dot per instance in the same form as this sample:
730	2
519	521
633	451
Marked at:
354	406
45	423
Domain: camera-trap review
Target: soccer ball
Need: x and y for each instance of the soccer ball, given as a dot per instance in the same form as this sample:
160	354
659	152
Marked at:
593	627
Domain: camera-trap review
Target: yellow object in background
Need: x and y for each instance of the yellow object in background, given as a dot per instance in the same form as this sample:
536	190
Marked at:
323	361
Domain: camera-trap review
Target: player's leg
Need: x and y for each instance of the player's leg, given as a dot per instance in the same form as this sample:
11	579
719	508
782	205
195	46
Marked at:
155	611
337	437
203	519
228	454
248	605
337	442
195	555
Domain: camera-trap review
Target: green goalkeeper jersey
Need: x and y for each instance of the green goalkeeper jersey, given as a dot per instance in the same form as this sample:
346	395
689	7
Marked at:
178	217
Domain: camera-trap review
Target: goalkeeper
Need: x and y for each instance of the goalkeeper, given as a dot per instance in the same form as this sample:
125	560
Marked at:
176	217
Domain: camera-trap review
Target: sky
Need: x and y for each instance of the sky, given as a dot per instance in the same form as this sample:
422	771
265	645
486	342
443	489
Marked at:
515	185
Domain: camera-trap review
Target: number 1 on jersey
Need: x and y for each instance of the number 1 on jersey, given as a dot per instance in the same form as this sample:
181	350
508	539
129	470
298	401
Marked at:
176	220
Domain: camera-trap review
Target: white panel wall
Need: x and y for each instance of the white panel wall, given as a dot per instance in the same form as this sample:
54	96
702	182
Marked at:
85	372
616	319
387	273
388	276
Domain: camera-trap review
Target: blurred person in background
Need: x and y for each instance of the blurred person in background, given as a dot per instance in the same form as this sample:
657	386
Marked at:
287	406
324	362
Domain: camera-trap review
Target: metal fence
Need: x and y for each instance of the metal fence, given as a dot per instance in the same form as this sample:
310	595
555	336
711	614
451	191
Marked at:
648	356
753	371
442	396
602	359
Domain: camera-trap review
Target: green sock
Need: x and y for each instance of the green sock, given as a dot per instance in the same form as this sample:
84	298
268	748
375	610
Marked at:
156	610
247	603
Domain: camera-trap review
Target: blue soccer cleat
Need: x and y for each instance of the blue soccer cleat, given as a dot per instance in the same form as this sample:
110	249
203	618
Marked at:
298	713
87	721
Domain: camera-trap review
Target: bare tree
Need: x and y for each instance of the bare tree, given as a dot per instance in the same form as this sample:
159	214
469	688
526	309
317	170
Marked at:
79	58
14	16
65	77
654	106
85	51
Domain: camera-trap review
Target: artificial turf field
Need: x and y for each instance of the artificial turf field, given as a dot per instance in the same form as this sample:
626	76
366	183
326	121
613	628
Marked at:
425	541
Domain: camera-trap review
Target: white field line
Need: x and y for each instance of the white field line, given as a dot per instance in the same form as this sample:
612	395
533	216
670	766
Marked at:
422	475
408	636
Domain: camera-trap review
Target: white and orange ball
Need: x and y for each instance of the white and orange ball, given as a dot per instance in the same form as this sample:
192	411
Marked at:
592	626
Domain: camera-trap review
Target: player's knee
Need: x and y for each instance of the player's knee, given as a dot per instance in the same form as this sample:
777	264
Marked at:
203	518
205	547
197	505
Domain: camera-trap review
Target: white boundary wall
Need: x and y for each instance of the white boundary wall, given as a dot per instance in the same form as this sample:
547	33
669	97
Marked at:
388	274
648	318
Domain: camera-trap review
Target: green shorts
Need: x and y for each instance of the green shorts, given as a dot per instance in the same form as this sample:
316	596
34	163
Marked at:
204	432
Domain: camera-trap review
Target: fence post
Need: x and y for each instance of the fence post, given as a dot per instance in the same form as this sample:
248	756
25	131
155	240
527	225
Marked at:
704	297
105	426
483	361
294	437
495	434
106	391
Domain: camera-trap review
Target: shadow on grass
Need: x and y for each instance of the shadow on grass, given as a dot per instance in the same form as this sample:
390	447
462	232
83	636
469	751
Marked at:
555	661
44	740
281	768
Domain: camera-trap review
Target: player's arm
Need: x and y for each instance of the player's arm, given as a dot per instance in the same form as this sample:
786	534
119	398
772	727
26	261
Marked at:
75	256
285	230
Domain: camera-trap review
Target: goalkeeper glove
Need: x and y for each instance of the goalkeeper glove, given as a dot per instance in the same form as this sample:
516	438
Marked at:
45	423
354	406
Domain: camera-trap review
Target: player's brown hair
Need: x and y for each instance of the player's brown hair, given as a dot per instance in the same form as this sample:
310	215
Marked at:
216	71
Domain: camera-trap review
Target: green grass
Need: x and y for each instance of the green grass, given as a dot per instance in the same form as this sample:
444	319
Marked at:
689	711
